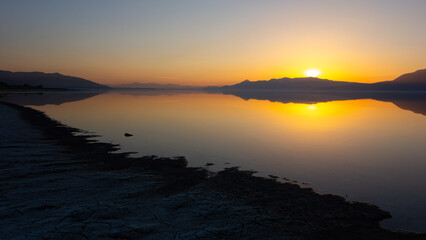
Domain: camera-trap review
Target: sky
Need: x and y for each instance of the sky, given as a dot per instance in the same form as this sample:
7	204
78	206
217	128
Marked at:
200	42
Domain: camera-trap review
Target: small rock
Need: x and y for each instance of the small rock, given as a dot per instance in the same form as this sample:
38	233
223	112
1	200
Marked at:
128	134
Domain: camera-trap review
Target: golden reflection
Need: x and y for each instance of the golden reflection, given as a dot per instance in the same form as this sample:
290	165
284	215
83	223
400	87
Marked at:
320	117
184	122
202	109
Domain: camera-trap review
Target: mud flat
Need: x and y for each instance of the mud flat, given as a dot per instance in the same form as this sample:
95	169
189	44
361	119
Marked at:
55	184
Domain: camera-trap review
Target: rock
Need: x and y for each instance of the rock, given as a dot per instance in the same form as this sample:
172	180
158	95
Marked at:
128	134
273	176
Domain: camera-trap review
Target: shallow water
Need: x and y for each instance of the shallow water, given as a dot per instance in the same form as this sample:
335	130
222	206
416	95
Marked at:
366	150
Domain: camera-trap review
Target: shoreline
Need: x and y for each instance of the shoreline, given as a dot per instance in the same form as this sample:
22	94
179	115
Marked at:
280	209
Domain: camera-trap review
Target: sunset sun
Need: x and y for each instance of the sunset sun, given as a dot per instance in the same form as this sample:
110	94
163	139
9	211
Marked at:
312	72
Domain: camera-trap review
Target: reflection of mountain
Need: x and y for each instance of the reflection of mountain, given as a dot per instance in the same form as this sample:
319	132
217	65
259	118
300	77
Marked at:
293	96
47	80
417	106
413	101
407	91
39	99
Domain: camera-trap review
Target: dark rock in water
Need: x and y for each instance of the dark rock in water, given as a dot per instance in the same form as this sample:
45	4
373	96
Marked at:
128	134
208	164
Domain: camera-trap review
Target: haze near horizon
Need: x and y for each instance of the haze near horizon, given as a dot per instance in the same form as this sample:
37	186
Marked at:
214	43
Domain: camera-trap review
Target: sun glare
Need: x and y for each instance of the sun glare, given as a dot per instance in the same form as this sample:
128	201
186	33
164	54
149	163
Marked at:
312	107
312	72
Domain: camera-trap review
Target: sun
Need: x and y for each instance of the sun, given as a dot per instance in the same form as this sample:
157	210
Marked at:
312	107
312	72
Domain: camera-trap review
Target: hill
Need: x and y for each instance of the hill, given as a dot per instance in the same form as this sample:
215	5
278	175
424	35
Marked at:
418	77
47	80
301	84
415	81
408	82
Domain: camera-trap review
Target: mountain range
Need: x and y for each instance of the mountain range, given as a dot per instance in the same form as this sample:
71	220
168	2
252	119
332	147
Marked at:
415	81
48	80
153	86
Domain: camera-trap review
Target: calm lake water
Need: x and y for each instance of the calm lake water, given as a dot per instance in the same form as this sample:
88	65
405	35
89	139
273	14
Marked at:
366	150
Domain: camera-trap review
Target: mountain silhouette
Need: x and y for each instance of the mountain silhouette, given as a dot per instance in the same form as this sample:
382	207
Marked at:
395	86
415	81
418	77
407	91
48	80
153	86
302	84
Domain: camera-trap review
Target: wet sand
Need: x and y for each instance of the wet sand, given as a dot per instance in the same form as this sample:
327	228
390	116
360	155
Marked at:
56	185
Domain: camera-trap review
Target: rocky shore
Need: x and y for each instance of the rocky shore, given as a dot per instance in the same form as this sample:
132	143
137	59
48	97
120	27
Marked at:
55	184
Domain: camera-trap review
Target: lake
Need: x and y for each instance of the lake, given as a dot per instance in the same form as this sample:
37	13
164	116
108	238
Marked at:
364	149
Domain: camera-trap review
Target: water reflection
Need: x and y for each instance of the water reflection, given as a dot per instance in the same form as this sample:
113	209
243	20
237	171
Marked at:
366	149
43	98
413	101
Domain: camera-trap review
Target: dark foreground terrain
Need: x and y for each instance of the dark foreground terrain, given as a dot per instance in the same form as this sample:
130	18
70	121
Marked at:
58	185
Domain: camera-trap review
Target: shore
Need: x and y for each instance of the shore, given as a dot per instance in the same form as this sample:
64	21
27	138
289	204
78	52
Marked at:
58	185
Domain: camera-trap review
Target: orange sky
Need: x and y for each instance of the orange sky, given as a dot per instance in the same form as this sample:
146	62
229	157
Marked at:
202	43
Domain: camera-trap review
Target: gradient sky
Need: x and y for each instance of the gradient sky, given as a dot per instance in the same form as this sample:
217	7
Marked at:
218	42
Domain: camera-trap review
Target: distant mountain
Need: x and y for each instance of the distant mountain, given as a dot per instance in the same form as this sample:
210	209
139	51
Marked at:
408	82
153	86
396	86
47	80
301	84
415	81
418	77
